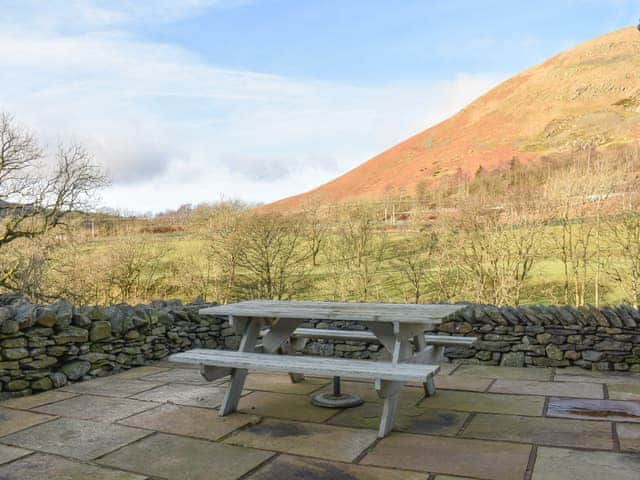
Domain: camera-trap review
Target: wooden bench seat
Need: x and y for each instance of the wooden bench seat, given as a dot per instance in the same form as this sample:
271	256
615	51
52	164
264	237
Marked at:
367	336
313	365
388	377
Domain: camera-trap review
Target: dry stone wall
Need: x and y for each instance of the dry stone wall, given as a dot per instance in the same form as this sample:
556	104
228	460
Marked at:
605	338
46	346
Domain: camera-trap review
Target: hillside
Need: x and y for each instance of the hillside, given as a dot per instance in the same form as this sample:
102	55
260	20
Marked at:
587	95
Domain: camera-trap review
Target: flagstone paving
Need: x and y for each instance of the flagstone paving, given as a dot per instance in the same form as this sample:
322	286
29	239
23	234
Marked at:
541	431
25	403
182	458
472	458
290	467
161	422
16	420
557	389
111	387
81	439
564	464
309	439
8	454
91	407
624	391
281	405
195	395
190	421
49	467
409	418
629	436
612	410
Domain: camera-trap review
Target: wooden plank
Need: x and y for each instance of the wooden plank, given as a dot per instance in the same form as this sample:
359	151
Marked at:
368	336
239	375
280	331
324	366
347	311
447	340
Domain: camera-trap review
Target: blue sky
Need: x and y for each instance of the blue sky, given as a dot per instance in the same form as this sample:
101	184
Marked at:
194	100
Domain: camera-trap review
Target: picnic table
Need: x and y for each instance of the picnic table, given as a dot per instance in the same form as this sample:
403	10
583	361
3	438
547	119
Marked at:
400	328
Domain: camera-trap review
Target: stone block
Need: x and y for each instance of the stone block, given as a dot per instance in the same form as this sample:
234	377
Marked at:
72	335
512	359
100	330
75	370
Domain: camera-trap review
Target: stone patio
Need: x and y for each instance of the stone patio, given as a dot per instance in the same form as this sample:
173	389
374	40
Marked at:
161	422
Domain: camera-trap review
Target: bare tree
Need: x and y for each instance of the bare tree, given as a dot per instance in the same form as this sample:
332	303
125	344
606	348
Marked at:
274	256
497	252
316	230
225	233
625	237
357	252
579	194
414	259
36	196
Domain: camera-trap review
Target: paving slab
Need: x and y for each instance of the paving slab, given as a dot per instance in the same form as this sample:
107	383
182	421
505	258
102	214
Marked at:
451	477
15	420
447	368
49	467
192	395
81	439
408	395
32	401
190	421
282	405
9	454
283	384
565	464
485	402
624	391
110	386
629	436
611	410
412	419
557	389
177	375
91	407
138	372
506	373
168	364
595	376
179	458
290	467
460	382
455	456
309	439
541	431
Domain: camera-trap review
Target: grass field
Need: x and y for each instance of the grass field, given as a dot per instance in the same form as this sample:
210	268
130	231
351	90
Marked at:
181	256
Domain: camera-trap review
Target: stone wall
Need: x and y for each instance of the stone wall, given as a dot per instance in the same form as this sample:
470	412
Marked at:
46	346
605	338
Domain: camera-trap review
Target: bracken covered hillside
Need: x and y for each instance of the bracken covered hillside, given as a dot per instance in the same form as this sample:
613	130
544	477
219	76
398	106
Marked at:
588	95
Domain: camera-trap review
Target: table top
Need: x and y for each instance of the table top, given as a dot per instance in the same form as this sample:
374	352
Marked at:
346	311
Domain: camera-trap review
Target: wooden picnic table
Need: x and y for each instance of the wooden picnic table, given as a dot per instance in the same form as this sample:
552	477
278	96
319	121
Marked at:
394	325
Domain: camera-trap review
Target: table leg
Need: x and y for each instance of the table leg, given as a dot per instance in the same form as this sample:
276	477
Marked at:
238	375
279	332
436	353
390	391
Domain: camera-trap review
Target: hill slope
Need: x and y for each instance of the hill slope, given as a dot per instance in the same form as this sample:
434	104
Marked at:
589	94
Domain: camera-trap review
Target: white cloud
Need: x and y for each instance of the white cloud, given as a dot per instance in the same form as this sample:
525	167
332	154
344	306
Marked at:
173	129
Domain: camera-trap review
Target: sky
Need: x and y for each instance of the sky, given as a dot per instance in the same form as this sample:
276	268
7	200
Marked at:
191	101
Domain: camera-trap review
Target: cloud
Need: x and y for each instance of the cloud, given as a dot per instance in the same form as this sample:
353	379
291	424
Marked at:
172	128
